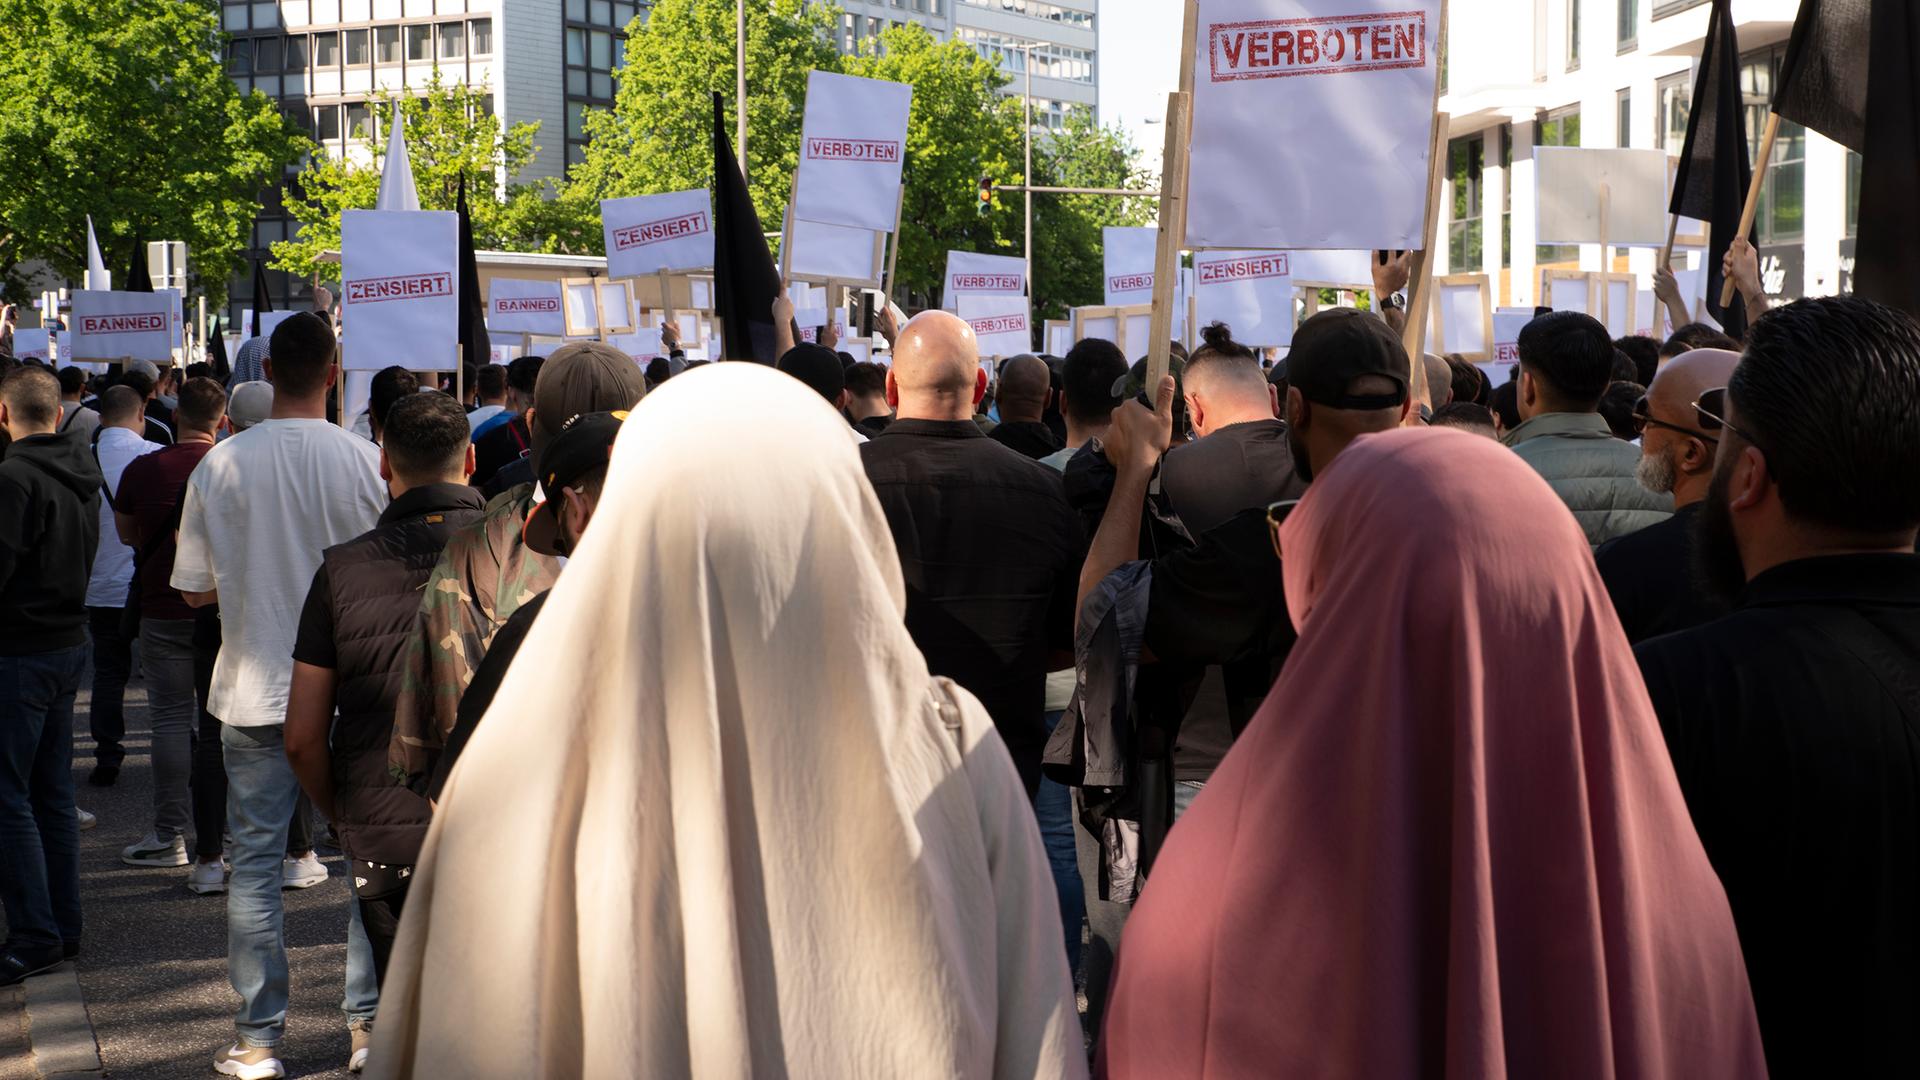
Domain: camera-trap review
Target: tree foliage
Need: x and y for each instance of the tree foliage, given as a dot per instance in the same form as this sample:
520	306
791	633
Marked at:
450	136
1068	252
120	109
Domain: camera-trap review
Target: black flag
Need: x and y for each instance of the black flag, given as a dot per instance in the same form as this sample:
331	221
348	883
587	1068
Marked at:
217	353
1711	183
476	347
261	302
138	279
1848	74
744	280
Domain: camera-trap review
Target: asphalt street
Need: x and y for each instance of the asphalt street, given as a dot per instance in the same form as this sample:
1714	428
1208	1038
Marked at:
153	965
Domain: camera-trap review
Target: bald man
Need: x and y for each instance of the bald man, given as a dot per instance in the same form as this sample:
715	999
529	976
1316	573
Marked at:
1649	573
1439	382
988	544
1026	386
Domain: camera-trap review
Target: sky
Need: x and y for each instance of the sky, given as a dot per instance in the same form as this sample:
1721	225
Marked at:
1139	66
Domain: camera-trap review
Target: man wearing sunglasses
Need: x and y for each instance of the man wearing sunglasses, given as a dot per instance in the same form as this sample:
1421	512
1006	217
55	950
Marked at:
1793	722
1649	574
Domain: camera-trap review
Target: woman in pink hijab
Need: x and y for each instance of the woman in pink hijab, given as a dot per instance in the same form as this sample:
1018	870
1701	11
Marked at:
1451	842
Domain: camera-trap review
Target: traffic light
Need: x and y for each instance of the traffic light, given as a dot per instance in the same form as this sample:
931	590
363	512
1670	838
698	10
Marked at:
986	193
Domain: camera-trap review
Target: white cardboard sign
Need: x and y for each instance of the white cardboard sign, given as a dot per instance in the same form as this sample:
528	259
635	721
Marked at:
643	344
853	142
646	234
1060	338
1567	184
1250	291
1465	318
109	326
972	274
1129	264
34	344
826	252
1311	123
525	306
1000	323
1507	324
400	289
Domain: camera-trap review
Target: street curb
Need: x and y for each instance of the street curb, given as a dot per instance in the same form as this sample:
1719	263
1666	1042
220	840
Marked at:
58	1029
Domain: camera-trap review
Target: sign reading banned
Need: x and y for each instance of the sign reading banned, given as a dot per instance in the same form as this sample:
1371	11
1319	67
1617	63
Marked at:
522	306
853	142
109	326
646	234
1329	104
400	288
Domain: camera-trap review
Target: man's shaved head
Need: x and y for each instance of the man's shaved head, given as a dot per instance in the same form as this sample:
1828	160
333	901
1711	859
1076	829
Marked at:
1685	377
1025	382
936	369
1439	380
120	405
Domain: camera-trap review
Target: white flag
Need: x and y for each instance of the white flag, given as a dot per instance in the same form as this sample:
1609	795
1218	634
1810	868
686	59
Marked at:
396	175
97	276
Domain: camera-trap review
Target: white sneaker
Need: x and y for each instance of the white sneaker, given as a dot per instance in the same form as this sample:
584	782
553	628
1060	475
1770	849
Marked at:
302	873
154	851
249	1063
207	878
87	821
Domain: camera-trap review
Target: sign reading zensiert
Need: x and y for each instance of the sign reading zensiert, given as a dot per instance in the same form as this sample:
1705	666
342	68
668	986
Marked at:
646	234
401	287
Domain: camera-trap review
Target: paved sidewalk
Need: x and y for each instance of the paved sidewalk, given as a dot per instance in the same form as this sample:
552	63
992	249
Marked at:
153	964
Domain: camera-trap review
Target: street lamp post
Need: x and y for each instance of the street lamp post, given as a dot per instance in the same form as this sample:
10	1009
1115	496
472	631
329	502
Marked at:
1026	175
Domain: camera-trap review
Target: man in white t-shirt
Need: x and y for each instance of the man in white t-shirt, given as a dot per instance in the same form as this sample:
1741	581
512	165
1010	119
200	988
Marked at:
123	417
260	508
491	382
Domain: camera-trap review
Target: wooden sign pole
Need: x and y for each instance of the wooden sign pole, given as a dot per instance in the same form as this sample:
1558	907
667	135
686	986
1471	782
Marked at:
1173	209
1673	230
1420	285
1753	196
893	250
786	234
1606	264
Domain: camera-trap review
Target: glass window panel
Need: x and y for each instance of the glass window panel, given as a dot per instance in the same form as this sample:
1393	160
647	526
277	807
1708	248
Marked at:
326	50
327	122
266	16
420	43
1623	119
602	86
452	7
359	48
577	10
602	12
483	37
576	123
296	54
266	55
576	47
453	41
1853	193
619	52
600	49
359	120
239	56
623	14
386	44
577	82
576	153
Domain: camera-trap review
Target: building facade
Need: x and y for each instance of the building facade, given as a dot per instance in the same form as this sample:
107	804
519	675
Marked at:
1619	73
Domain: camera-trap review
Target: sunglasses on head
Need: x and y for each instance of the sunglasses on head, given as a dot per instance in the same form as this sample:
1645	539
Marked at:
1643	419
1276	516
1712	412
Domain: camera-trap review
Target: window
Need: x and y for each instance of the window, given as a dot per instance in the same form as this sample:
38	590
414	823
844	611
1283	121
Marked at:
266	55
1050	61
1676	95
326	51
1573	35
359	120
1053	13
1853	194
239	56
1464	160
482	38
386	44
1506	195
453	41
595	47
1623	118
327	122
1627	32
1664	8
1782	214
296	55
420	43
1560	128
359	49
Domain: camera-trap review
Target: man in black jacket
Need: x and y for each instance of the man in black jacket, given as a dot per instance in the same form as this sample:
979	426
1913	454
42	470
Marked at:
49	530
1794	722
354	629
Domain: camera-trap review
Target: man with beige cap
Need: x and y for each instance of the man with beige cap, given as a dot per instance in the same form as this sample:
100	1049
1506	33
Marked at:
487	571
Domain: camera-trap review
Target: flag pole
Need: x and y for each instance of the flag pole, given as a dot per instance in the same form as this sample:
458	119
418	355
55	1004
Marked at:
1673	230
1753	197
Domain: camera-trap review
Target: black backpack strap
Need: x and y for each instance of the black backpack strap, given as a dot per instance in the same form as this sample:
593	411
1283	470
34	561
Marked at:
104	490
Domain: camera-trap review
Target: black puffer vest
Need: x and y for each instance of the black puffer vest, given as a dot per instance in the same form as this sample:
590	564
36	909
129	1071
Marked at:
376	581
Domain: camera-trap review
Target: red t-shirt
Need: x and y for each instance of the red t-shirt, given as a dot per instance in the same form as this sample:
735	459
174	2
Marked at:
150	488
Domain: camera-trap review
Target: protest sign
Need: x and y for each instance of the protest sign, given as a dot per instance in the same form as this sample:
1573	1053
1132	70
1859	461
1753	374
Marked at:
1129	327
1693	290
503	354
853	142
109	326
1570	180
643	344
1463	315
271	320
1332	269
861	349
1000	323
1129	264
1507	324
646	234
1059	336
1580	290
34	344
823	252
973	274
1312	122
1652	315
525	306
400	291
1250	291
611	313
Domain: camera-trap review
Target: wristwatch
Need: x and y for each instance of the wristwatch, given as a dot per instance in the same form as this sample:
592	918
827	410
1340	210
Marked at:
1393	302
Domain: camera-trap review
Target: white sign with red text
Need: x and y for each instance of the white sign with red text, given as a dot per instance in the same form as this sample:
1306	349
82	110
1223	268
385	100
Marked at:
1311	123
400	289
1000	324
525	306
1128	264
108	326
853	142
34	344
646	234
1250	291
1507	324
972	274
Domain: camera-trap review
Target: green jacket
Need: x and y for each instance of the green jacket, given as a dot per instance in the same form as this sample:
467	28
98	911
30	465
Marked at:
1591	471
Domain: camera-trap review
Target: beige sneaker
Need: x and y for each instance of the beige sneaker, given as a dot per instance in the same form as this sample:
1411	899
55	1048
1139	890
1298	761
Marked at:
361	1032
249	1063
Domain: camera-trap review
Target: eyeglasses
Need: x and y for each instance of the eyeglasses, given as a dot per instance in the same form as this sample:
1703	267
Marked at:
1276	516
1643	419
1712	411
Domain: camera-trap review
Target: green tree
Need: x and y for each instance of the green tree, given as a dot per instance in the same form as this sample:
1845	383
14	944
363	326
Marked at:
120	109
960	128
1068	252
658	135
450	135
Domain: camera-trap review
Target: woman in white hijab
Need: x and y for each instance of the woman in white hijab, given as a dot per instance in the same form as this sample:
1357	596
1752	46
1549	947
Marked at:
720	821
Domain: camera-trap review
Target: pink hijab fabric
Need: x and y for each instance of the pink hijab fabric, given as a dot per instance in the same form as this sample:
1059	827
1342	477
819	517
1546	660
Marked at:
1451	842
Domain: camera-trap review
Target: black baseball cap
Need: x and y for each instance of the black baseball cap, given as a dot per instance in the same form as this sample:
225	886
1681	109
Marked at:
1339	345
585	443
818	367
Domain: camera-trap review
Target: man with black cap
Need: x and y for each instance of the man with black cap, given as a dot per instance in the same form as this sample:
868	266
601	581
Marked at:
487	571
820	368
573	471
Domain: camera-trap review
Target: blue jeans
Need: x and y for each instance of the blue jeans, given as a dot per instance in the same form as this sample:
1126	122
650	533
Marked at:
261	792
39	832
1053	806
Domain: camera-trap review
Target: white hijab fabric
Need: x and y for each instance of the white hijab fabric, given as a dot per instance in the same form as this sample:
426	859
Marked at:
720	821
